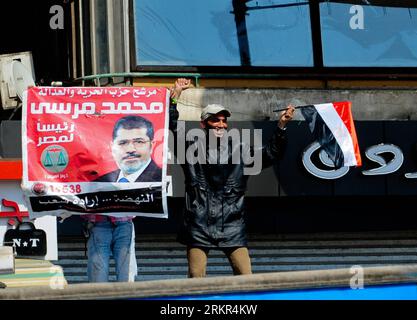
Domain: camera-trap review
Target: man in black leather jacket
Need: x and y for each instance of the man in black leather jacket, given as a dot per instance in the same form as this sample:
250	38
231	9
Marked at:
215	184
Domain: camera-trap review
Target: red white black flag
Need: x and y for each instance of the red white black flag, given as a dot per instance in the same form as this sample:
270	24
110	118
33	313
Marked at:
333	127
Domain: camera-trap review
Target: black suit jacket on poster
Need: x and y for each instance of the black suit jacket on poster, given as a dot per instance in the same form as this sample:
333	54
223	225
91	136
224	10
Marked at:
152	173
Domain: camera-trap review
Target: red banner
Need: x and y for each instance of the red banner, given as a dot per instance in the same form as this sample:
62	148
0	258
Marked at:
82	144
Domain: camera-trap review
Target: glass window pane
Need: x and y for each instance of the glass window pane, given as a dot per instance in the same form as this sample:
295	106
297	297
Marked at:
385	37
204	33
185	33
279	33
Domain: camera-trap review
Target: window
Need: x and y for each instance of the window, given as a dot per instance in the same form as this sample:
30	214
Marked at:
222	33
279	33
314	36
368	36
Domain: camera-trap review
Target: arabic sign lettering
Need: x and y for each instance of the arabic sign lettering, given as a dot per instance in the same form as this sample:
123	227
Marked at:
79	142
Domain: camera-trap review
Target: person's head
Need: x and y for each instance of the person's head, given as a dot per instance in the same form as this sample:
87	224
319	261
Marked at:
214	118
132	143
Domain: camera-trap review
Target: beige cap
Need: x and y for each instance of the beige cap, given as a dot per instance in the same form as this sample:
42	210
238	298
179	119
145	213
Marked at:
213	109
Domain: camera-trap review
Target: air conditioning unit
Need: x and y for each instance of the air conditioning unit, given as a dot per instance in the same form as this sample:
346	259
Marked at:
9	92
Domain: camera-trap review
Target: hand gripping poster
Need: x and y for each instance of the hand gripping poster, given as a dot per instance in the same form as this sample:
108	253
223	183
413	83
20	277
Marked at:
90	150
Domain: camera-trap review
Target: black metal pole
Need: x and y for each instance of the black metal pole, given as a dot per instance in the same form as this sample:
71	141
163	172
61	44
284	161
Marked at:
239	10
297	107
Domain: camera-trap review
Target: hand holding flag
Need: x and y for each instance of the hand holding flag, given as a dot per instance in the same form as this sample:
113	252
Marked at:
333	126
286	116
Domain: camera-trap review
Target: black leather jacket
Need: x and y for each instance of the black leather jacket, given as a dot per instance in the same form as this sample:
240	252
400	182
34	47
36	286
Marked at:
214	194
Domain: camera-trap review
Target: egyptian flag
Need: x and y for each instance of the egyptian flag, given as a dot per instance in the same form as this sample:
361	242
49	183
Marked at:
332	125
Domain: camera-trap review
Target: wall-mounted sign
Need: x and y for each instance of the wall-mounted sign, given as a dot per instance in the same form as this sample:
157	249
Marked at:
373	153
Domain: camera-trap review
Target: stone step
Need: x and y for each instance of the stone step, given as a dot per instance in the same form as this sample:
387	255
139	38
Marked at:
161	257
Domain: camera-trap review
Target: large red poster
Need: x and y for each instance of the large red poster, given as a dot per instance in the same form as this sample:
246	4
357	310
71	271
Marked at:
95	150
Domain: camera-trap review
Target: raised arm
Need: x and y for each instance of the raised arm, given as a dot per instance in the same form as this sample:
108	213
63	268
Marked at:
274	149
276	146
180	85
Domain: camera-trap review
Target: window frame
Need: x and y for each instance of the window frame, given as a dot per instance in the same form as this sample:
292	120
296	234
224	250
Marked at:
317	71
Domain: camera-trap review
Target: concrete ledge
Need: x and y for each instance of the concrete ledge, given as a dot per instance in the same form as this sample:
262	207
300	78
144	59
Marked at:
230	284
257	104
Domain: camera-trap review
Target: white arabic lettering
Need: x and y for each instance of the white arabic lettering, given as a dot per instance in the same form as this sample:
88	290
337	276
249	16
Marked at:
126	108
86	108
54	140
